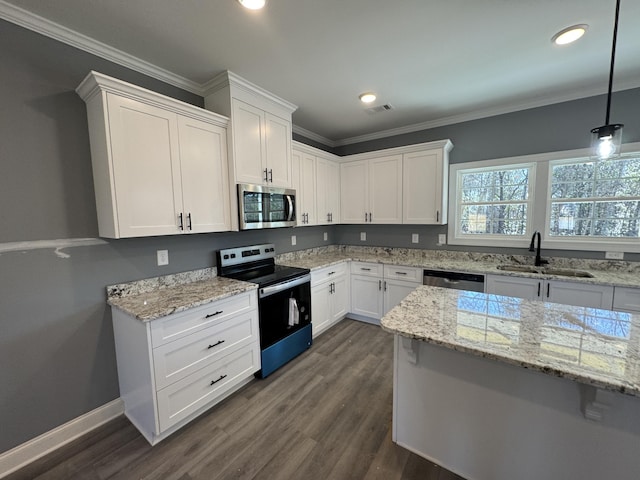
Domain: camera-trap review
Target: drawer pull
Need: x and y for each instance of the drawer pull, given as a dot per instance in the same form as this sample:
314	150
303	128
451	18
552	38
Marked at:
215	344
401	273
213	382
365	269
213	314
331	273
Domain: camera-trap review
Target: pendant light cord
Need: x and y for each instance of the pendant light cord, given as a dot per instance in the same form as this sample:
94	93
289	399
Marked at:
613	57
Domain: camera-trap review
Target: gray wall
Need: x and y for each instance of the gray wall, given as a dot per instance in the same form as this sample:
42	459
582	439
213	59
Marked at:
57	358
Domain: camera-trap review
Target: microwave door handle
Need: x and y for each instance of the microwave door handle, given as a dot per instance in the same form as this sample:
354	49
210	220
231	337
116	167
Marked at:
291	211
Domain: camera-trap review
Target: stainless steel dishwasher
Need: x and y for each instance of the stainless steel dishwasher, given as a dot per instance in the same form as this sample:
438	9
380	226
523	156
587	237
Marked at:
459	281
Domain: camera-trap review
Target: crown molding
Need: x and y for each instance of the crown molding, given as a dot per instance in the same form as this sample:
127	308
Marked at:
485	113
31	21
313	136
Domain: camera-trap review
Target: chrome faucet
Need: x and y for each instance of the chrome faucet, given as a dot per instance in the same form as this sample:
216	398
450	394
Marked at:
539	260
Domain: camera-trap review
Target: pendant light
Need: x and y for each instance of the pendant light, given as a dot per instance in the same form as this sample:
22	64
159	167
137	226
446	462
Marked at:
606	140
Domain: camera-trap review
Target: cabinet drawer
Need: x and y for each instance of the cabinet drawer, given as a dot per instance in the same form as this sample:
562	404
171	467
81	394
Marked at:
367	269
184	397
175	360
182	324
397	272
626	299
327	273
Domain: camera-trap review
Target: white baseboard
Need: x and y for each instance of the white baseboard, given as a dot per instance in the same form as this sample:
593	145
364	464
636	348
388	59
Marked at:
22	455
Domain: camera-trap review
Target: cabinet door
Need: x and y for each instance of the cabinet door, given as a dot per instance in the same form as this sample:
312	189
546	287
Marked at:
581	294
320	307
385	189
205	183
366	296
626	299
424	188
146	168
354	199
278	150
340	298
308	188
249	143
520	287
333	191
395	291
296	159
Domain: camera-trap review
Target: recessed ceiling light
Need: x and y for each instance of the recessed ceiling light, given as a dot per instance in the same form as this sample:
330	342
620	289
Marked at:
367	97
253	4
569	34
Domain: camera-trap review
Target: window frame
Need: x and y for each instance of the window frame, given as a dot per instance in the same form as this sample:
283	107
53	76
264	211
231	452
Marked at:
540	205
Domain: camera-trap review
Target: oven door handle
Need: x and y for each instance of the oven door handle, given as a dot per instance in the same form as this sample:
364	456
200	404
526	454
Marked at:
272	289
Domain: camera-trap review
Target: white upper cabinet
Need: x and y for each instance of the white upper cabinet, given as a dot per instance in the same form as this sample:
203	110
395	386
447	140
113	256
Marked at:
385	189
303	168
159	165
354	191
399	185
328	192
371	190
425	186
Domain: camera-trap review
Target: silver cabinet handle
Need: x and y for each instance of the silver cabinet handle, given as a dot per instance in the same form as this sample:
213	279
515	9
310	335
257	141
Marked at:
271	175
370	217
365	216
385	285
189	226
437	215
266	178
379	284
180	226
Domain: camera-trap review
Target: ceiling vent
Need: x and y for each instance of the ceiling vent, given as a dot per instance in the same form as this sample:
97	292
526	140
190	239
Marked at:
380	108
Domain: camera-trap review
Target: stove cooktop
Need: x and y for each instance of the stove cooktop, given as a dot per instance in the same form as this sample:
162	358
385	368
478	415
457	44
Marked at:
269	275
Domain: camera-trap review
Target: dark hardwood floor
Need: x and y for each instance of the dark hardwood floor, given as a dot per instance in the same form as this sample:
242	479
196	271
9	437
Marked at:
325	415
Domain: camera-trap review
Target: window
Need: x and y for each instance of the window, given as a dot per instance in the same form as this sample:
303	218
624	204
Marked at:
595	198
494	201
575	202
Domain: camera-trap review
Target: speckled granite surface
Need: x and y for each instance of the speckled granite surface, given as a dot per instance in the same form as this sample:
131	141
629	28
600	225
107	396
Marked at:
590	346
154	298
605	272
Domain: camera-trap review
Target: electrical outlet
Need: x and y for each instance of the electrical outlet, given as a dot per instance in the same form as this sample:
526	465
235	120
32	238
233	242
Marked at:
442	239
325	236
293	240
163	257
614	255
363	236
415	238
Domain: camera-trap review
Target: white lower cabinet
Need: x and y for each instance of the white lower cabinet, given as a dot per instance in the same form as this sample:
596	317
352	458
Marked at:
626	299
557	291
329	296
172	369
377	288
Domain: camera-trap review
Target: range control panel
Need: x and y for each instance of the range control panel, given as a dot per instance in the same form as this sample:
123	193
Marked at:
240	255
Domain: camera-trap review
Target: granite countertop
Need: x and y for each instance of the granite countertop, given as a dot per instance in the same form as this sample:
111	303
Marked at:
615	273
154	298
590	346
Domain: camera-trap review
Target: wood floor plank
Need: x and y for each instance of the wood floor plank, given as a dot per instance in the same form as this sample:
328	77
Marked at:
324	415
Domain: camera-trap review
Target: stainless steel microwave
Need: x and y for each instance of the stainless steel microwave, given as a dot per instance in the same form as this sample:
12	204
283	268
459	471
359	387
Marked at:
266	207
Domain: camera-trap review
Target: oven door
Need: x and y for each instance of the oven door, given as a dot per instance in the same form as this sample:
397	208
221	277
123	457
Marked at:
266	207
274	307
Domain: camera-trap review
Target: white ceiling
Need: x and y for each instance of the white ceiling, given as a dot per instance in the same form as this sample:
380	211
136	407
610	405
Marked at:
435	62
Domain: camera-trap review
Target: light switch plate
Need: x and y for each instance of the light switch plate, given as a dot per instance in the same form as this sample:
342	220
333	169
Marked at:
293	240
614	255
415	238
442	239
363	236
163	257
325	236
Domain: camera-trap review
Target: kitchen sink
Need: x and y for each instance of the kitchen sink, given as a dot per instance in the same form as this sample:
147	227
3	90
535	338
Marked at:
562	272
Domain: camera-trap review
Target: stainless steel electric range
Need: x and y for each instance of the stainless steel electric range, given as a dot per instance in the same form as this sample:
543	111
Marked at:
284	301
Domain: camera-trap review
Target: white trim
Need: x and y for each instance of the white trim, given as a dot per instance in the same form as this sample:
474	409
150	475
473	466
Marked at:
55	244
540	207
313	136
484	113
36	23
46	27
28	452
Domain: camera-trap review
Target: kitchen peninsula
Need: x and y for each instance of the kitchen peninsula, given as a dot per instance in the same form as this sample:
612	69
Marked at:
495	387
